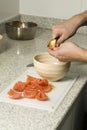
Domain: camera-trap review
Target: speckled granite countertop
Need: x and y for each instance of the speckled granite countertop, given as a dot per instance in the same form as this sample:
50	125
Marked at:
14	56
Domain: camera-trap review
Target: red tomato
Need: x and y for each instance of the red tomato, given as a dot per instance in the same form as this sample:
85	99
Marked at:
41	96
19	86
47	88
30	78
31	88
30	93
13	94
42	82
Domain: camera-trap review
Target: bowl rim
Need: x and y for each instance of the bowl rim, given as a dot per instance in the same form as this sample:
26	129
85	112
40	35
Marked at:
14	24
46	53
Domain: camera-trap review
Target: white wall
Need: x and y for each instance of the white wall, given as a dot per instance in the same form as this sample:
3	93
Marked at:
52	8
8	8
47	8
84	4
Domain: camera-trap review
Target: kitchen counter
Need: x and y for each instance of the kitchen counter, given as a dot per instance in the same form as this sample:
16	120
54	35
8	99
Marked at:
14	57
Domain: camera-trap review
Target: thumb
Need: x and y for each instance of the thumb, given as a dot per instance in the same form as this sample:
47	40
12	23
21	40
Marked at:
60	40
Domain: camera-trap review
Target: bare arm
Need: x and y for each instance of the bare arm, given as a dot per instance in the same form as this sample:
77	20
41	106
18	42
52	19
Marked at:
68	28
69	51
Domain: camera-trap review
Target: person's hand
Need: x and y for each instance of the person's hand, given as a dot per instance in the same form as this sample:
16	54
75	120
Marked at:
68	28
68	51
63	31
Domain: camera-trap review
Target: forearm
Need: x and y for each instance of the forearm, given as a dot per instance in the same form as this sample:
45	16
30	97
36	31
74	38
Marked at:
82	55
79	20
82	18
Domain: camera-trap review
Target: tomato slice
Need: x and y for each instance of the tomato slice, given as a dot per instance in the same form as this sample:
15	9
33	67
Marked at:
31	87
13	94
30	93
47	88
42	82
30	78
41	96
19	86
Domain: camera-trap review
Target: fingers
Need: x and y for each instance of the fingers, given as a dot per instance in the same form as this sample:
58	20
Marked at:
67	51
53	52
57	55
60	37
59	41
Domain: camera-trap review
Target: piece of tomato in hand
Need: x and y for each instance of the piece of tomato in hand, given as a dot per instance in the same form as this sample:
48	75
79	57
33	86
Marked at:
52	44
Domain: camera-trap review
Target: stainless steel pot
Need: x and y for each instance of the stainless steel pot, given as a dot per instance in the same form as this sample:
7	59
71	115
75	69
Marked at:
21	30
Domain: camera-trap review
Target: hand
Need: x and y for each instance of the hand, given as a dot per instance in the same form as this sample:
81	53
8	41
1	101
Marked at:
68	51
63	31
68	28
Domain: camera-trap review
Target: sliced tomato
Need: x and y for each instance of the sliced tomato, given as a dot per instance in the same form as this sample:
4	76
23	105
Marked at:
19	86
27	82
31	87
42	82
13	94
30	93
47	88
41	96
30	78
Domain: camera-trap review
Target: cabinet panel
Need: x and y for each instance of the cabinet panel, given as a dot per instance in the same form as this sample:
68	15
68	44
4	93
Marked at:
74	119
68	123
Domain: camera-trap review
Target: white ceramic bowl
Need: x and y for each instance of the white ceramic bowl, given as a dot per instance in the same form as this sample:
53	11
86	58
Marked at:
49	67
